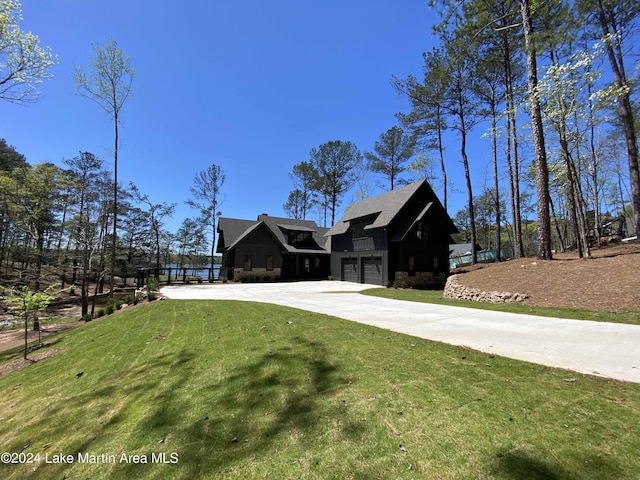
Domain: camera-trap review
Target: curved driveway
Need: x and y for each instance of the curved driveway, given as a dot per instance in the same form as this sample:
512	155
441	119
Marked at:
604	349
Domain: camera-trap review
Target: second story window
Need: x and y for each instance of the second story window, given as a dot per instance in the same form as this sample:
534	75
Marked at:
357	230
295	238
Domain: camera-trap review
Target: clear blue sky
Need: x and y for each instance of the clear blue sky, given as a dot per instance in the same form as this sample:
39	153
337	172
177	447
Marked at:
248	85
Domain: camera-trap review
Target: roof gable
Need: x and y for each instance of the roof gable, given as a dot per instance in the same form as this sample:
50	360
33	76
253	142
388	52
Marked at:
386	207
235	230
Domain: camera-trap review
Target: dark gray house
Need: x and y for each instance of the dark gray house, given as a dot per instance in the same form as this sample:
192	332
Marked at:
272	248
400	236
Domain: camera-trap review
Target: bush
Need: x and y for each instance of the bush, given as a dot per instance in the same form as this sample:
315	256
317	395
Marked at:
129	299
152	288
87	317
100	313
111	306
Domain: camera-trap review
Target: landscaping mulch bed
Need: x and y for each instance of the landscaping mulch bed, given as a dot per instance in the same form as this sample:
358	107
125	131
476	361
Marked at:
606	282
33	358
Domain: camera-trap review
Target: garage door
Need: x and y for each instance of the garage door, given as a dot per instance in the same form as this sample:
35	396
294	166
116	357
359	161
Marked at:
350	270
372	271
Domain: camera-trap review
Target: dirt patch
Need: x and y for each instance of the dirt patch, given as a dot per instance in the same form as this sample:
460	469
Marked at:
15	338
607	282
33	358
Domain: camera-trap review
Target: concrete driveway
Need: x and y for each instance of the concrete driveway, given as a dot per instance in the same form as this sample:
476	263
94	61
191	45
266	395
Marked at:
594	348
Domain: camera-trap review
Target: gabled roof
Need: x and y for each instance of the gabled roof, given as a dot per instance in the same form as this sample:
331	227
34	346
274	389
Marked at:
233	231
384	208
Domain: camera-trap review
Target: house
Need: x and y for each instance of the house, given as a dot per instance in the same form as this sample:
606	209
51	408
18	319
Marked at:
272	248
461	255
400	236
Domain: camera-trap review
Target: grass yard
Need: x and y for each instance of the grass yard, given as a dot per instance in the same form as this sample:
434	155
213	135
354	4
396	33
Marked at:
435	296
244	390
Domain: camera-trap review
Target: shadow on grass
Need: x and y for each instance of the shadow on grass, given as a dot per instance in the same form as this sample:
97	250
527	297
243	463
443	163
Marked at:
519	465
277	393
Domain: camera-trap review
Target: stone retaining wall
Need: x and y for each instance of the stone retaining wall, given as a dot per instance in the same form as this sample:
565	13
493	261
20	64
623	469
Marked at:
453	289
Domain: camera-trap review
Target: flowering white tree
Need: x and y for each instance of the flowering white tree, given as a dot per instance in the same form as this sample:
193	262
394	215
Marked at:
23	62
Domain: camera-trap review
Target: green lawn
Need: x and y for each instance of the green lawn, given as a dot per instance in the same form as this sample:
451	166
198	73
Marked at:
245	390
435	296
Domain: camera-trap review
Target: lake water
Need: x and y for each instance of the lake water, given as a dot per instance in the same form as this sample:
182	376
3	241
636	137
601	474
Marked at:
200	271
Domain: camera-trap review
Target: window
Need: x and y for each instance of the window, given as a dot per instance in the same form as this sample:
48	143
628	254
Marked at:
357	230
295	238
269	262
411	263
422	231
247	263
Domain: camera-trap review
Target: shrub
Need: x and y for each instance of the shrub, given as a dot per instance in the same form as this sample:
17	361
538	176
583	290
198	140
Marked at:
129	299
152	288
87	317
100	313
112	305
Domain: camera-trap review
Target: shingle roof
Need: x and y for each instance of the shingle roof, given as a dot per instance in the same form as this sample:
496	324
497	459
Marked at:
386	206
233	230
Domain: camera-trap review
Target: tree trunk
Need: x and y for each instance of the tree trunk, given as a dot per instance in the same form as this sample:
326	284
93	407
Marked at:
115	207
496	183
626	116
441	153
541	169
512	141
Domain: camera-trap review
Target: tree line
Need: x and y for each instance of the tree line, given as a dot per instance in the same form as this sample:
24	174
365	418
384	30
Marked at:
550	80
62	218
556	84
78	218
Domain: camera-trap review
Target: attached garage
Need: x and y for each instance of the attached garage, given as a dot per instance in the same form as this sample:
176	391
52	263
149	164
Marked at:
372	268
350	270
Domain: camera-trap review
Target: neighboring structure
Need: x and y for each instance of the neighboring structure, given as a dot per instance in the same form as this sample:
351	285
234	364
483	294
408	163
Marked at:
400	236
272	248
461	256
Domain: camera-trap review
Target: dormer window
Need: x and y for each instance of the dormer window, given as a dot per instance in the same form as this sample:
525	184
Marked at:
295	238
359	226
357	230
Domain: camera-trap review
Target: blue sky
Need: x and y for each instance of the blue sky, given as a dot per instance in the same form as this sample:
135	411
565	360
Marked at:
248	85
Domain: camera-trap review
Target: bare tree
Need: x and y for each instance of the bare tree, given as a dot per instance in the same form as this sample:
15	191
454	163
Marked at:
108	83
